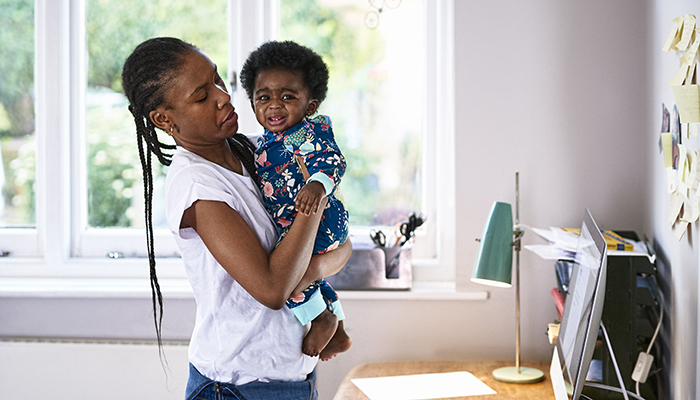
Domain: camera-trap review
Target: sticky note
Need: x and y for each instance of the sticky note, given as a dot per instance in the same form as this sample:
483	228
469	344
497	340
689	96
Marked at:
671	177
681	227
680	76
675	36
692	161
689	56
687	31
688	101
667	148
696	181
683	171
696	209
674	207
686	212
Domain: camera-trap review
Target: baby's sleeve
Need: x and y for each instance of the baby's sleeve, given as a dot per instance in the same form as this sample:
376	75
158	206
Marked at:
326	165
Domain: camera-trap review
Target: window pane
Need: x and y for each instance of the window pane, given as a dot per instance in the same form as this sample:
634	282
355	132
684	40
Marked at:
113	29
17	143
375	53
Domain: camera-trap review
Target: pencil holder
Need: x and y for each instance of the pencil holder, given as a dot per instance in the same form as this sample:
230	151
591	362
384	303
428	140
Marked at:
379	268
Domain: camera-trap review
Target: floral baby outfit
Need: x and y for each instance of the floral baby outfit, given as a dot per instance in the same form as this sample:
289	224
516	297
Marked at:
280	179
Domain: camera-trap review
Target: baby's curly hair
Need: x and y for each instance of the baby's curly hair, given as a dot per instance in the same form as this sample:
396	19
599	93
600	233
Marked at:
289	56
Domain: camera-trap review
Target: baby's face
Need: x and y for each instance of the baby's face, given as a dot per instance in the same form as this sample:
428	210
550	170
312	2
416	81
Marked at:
281	99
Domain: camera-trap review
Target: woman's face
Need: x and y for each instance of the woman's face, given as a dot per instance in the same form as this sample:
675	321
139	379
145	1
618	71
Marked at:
200	112
281	99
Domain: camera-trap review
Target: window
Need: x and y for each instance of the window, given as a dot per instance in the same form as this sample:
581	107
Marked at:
114	186
374	98
391	103
87	200
17	122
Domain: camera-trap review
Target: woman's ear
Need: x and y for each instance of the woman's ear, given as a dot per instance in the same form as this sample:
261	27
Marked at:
312	107
160	120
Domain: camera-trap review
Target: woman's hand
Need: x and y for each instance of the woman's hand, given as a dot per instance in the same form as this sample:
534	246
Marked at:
325	265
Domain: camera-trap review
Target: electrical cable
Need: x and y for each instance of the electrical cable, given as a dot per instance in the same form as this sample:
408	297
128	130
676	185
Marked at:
623	389
613	389
653	338
658	327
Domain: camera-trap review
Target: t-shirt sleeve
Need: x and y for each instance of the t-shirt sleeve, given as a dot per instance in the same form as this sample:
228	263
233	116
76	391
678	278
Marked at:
191	184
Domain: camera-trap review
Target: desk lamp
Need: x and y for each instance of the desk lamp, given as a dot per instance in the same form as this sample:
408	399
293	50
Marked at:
493	267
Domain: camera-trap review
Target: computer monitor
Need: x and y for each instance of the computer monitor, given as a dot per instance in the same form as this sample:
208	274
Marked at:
580	321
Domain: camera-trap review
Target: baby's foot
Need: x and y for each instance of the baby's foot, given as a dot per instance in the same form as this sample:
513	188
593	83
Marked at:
322	330
340	342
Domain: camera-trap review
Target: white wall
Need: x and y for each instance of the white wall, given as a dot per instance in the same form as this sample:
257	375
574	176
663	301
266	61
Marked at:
568	94
680	269
68	371
556	90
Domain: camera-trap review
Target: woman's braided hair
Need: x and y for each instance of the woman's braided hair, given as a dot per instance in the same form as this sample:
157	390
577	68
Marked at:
146	77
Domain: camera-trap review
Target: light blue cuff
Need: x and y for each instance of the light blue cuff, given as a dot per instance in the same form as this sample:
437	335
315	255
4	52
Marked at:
311	309
338	310
326	181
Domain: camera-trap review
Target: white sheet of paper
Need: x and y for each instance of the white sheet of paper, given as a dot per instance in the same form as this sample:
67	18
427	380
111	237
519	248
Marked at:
550	252
423	386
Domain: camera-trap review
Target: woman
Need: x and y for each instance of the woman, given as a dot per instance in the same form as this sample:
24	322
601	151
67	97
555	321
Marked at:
245	344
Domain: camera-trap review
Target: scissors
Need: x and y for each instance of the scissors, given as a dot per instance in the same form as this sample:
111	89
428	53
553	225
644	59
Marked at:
378	237
407	228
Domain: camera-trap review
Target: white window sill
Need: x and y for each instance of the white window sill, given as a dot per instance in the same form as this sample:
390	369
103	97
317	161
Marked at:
179	288
128	278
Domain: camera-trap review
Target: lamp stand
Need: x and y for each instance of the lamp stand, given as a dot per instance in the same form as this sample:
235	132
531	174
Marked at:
517	374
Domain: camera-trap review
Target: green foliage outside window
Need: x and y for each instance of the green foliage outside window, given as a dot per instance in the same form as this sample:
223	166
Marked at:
17	144
114	28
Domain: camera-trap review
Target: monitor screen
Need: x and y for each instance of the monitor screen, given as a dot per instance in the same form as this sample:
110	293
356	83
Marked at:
580	321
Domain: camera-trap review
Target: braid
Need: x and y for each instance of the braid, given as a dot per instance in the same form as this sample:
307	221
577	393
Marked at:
243	149
145	78
156	295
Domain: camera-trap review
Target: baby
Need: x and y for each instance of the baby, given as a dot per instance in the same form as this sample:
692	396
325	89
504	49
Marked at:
298	163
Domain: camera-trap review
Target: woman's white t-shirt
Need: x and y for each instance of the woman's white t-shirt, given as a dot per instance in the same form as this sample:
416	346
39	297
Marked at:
235	339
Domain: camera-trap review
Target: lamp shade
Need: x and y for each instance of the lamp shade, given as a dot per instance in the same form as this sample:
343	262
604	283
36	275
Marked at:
494	262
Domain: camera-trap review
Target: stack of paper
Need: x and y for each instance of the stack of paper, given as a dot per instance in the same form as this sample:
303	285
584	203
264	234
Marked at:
563	242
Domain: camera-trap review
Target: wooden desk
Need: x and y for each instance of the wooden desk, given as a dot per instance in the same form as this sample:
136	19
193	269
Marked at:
481	369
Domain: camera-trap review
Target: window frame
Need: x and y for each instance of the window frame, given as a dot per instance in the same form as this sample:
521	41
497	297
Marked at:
62	245
438	234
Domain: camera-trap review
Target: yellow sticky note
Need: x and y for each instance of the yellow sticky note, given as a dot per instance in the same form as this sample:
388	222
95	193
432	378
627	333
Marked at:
688	29
693	167
688	101
696	209
683	170
672	177
675	34
674	207
689	56
678	79
681	228
667	147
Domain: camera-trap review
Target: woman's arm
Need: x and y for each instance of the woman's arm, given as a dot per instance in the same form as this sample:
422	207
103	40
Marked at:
268	278
325	265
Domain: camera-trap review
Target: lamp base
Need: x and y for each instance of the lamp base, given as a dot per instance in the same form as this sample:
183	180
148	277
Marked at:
512	375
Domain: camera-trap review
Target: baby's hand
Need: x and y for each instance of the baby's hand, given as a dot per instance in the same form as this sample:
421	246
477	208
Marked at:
309	197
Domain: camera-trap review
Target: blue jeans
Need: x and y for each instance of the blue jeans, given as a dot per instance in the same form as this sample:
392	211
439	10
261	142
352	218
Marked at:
200	387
